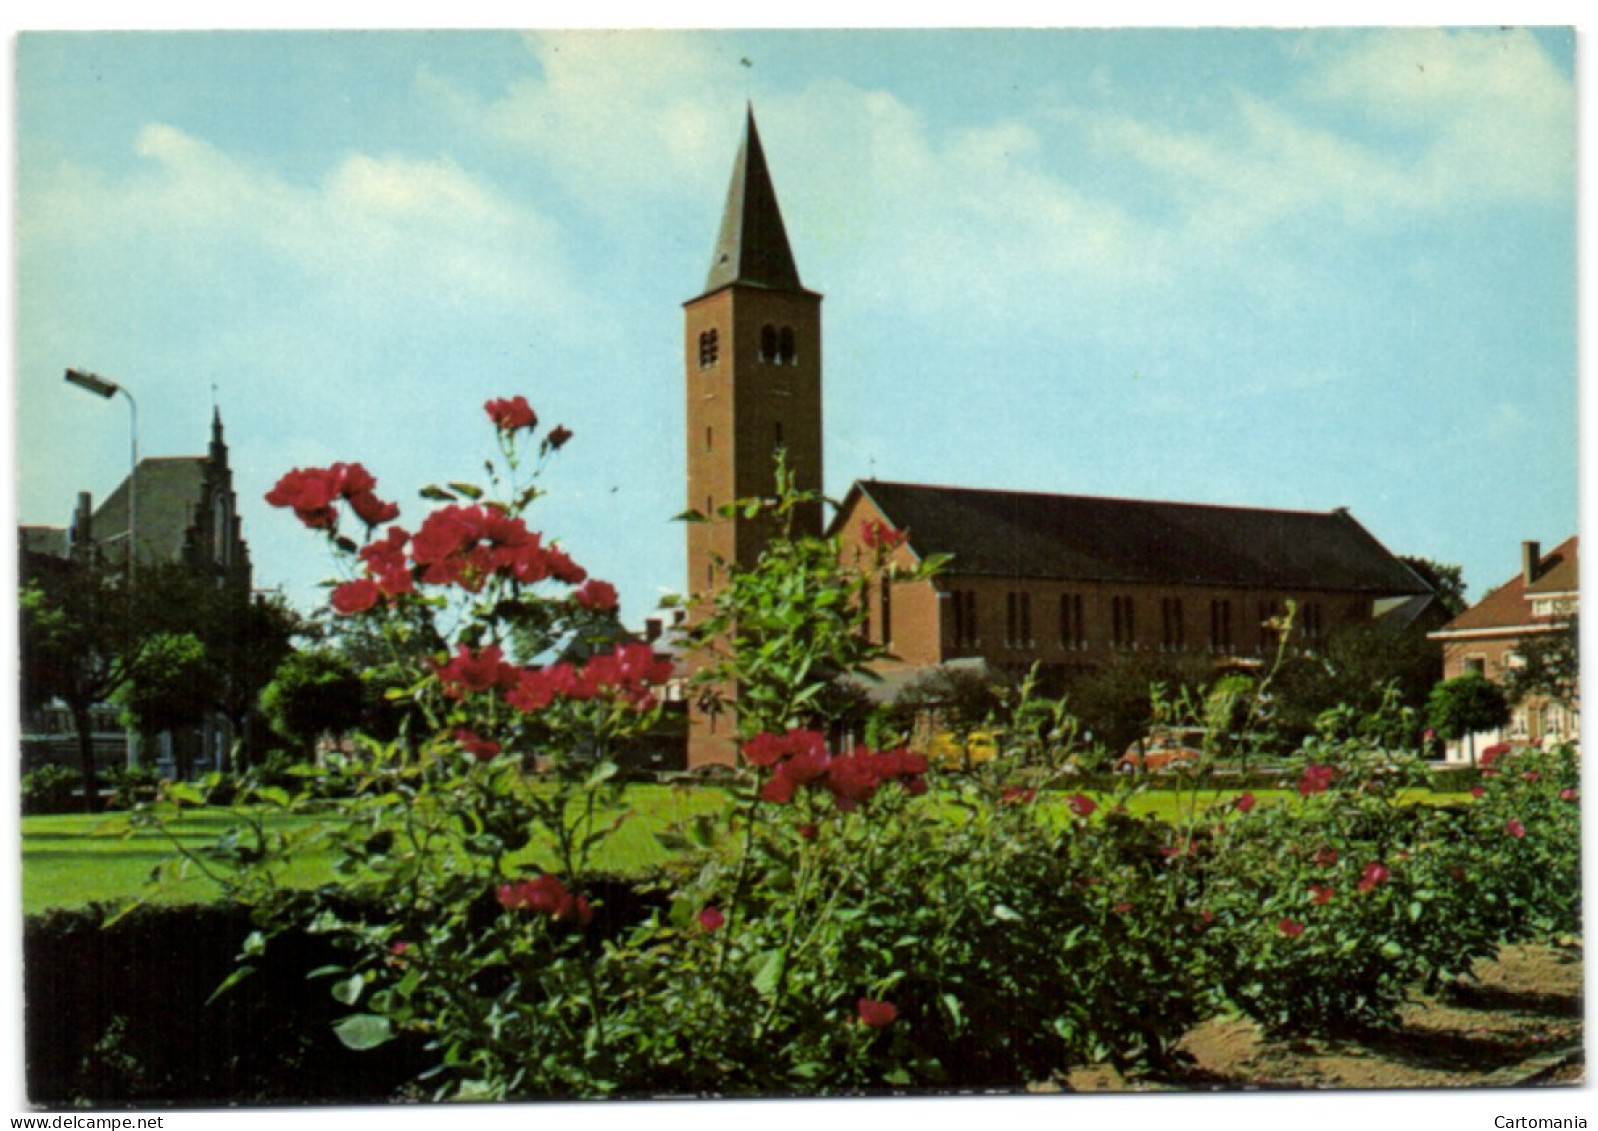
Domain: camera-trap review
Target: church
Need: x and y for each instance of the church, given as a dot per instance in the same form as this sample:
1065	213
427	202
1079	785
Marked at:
1059	580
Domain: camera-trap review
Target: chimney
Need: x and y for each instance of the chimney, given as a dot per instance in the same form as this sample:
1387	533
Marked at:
1530	560
80	539
652	629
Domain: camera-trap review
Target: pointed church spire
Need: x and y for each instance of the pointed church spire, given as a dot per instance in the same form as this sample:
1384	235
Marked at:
752	247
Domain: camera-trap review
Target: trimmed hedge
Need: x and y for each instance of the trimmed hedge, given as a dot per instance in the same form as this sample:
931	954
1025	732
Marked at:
119	1015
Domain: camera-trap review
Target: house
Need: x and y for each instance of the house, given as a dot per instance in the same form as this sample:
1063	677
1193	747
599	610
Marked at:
1061	580
185	513
1489	638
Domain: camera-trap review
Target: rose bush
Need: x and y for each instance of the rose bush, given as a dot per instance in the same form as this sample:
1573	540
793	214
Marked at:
849	920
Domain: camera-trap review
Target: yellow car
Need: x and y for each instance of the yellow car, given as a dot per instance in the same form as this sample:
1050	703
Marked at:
945	752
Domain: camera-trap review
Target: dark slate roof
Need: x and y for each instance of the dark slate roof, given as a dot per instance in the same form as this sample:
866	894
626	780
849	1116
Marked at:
170	489
752	247
1021	534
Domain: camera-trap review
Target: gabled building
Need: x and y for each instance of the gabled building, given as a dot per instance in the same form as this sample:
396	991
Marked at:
1070	581
1487	639
185	513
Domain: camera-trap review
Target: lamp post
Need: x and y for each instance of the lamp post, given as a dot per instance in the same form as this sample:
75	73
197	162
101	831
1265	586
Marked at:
104	387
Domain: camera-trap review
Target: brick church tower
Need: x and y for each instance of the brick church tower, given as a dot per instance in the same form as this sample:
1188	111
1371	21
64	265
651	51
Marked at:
752	354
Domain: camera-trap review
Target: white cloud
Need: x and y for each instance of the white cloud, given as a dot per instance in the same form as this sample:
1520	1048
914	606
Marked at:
1492	116
619	115
377	231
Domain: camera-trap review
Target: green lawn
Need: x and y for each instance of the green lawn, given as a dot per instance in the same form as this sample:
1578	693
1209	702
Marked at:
69	861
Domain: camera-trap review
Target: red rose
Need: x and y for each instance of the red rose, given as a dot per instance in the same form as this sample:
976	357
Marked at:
1016	794
1515	829
599	596
1316	779
876	1014
509	415
480	748
1373	875
1477	791
712	919
878	535
1325	857
1567	794
808	832
557	439
1320	893
1290	927
355	596
1122	908
1244	803
372	510
1082	805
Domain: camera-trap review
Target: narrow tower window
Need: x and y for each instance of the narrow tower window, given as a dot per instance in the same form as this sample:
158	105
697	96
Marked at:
787	354
768	343
709	349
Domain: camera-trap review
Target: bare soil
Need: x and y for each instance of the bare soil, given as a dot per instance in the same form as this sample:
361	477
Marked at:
1518	1024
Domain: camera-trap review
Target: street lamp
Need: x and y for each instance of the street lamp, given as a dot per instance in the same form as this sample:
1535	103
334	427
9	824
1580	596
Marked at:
104	387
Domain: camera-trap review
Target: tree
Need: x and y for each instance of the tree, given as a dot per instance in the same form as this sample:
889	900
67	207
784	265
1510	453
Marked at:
87	633
171	689
1465	705
1354	667
1447	581
246	639
315	694
1550	668
1115	702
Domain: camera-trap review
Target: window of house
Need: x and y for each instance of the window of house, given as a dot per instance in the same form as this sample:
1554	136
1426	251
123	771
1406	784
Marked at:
1220	625
1073	630
1018	620
709	349
1123	626
1173	635
965	618
1476	665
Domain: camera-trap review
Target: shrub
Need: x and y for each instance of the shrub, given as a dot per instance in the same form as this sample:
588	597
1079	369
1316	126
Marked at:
49	789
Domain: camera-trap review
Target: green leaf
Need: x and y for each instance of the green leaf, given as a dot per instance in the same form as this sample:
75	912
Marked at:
361	1031
1006	914
602	773
1415	909
898	1076
1391	949
952	1004
434	492
230	981
185	792
467	489
254	945
348	992
770	969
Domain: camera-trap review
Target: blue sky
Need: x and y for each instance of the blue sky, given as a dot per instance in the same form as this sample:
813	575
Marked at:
1299	269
